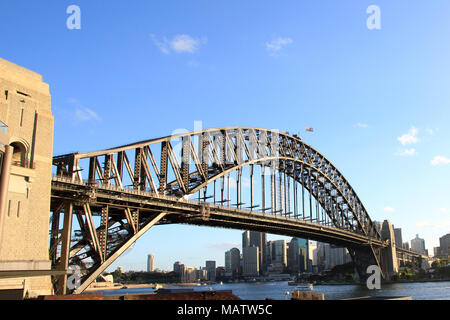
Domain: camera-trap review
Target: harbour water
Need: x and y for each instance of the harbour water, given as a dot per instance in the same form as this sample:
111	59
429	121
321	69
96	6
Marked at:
278	290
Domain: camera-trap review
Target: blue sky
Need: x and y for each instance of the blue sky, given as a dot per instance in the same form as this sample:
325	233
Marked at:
378	99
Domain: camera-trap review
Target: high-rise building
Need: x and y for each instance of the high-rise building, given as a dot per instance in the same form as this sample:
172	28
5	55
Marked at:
150	263
250	261
329	256
398	237
178	267
211	269
245	239
188	274
278	256
312	253
444	245
256	239
233	262
437	251
298	255
418	245
201	274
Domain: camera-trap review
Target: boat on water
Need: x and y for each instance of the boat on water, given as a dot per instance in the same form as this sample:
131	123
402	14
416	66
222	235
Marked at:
301	285
306	286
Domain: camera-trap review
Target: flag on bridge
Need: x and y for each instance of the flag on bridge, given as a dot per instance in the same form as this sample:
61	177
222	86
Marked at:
308	129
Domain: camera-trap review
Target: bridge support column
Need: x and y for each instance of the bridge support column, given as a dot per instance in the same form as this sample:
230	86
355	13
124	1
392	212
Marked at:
389	261
61	287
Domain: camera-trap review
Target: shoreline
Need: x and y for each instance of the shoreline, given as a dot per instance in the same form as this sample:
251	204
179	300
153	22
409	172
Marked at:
116	286
385	282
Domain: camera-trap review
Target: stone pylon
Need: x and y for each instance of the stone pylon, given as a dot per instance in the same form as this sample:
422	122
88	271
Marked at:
389	261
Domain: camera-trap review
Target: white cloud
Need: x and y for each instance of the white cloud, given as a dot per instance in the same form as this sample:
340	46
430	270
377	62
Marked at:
274	47
83	113
86	114
182	43
439	160
361	125
443	210
408	152
422	224
185	43
410	137
389	209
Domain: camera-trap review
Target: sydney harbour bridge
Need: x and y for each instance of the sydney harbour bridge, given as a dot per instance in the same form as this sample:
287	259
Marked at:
234	177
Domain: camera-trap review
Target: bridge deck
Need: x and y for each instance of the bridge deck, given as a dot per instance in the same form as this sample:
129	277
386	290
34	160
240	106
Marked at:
182	211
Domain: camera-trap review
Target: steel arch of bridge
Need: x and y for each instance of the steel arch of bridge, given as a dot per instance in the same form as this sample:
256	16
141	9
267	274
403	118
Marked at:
147	183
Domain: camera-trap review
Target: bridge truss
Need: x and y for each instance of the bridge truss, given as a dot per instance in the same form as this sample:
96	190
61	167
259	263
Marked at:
234	177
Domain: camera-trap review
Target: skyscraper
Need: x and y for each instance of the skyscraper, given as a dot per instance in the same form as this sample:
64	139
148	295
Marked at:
256	239
232	262
150	263
298	255
250	261
178	267
278	256
444	245
211	269
418	245
398	237
312	254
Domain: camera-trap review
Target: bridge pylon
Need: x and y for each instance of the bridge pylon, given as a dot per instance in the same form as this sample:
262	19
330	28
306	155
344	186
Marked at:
389	262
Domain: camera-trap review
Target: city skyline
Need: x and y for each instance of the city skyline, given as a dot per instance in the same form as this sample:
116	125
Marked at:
445	238
383	93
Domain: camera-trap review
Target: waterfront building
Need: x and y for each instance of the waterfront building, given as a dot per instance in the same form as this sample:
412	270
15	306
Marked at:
220	272
298	255
26	152
278	256
406	245
201	274
188	274
177	267
256	239
233	262
444	245
150	263
312	253
211	269
418	245
250	261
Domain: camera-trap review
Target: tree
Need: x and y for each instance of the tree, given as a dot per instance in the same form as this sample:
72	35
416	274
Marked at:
436	264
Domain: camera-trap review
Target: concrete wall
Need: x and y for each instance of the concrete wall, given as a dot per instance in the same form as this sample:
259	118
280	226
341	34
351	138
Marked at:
25	107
